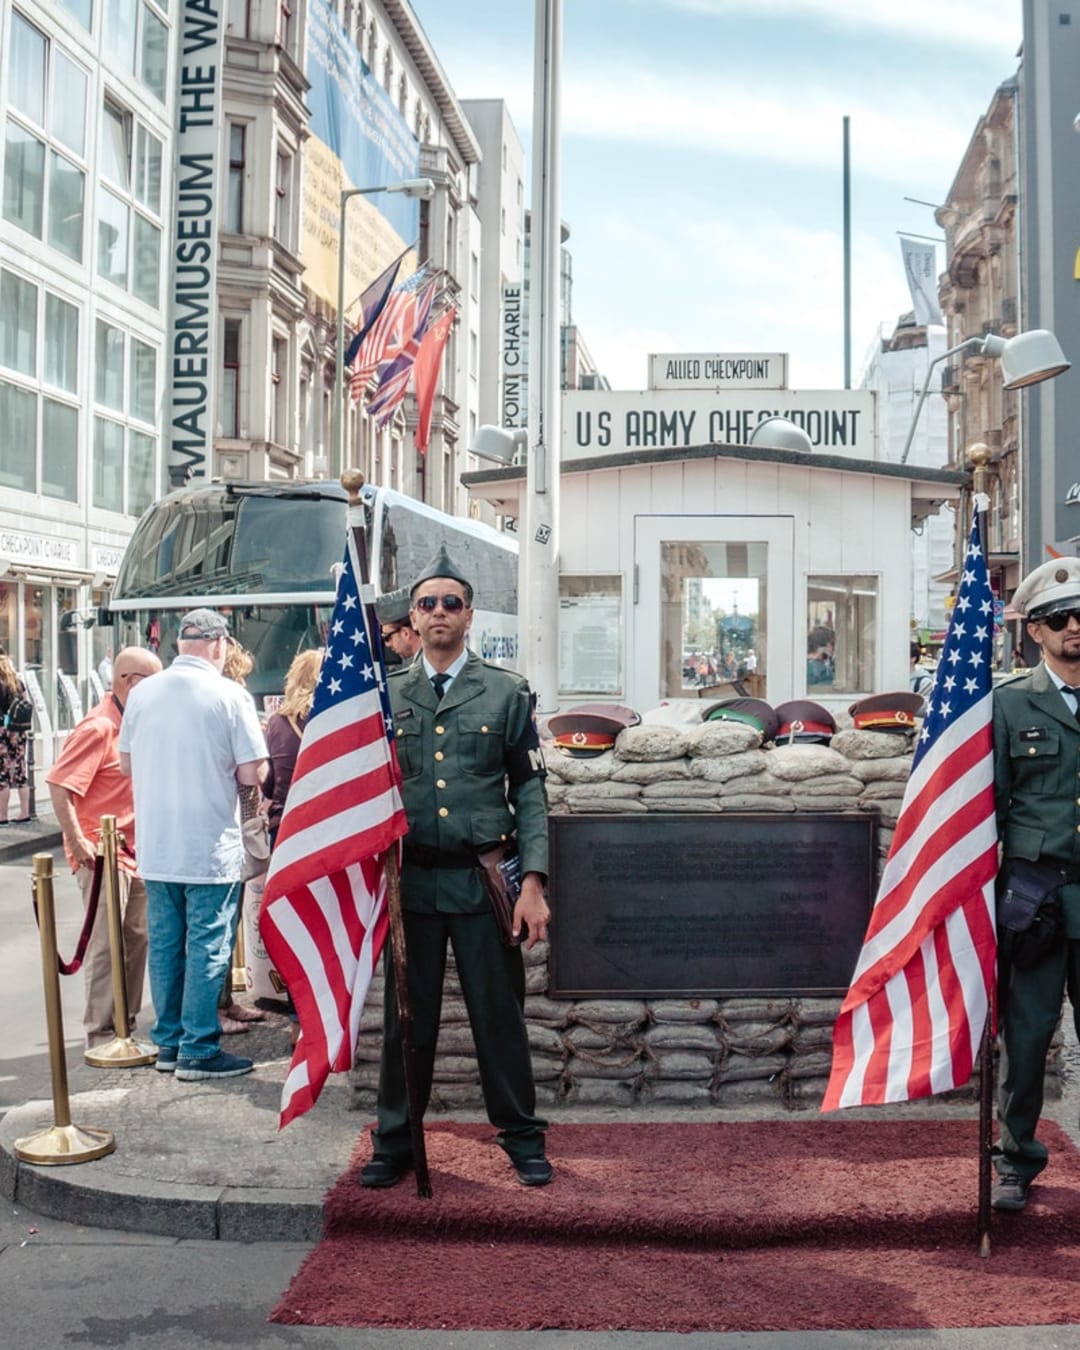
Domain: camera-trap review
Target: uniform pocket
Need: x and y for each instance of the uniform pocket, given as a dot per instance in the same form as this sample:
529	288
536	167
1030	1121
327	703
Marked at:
409	742
481	743
1036	762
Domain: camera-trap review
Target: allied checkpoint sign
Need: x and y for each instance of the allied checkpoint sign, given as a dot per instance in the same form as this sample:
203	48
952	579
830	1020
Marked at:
597	422
358	139
678	906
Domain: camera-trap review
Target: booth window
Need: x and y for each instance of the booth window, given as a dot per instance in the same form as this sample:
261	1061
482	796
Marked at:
841	634
590	635
713	627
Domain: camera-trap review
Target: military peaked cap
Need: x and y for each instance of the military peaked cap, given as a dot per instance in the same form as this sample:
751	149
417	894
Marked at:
752	712
1052	587
887	712
806	722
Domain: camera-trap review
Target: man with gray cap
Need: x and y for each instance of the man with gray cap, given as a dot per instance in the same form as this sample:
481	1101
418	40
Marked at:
1036	755
188	739
400	639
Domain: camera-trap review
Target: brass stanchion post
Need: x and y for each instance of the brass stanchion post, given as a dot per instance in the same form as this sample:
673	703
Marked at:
61	1142
239	960
122	1051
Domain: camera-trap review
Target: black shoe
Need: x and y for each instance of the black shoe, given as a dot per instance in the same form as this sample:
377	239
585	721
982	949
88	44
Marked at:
1010	1192
383	1171
533	1171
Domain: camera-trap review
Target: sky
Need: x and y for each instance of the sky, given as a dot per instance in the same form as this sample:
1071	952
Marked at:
702	159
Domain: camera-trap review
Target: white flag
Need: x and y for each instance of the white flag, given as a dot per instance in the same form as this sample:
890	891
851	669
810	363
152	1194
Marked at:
921	268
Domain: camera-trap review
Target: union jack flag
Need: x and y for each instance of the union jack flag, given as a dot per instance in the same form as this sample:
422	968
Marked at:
394	374
324	915
388	333
912	1020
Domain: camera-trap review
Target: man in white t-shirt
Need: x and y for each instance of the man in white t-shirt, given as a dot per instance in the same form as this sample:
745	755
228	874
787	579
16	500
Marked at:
187	747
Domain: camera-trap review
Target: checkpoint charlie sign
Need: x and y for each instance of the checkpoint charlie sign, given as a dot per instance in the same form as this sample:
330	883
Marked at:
599	422
718	370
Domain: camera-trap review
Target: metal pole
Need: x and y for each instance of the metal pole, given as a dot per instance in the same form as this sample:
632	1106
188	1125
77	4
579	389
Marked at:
62	1142
352	481
122	1051
337	461
538	588
847	252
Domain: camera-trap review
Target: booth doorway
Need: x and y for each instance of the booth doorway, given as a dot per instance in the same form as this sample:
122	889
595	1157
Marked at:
714	604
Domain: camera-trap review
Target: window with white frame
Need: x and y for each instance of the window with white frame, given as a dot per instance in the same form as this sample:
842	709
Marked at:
45	140
238	22
39	343
286	27
137	40
81	9
129	205
234	197
125	419
283	199
279	391
229	400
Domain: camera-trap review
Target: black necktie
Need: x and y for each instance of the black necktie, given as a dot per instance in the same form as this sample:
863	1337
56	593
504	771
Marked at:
1075	691
439	681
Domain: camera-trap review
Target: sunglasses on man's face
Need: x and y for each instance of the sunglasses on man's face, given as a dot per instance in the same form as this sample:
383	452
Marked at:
1058	622
453	604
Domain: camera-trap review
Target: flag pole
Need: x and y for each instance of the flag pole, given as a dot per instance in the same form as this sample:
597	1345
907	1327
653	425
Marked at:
979	458
352	480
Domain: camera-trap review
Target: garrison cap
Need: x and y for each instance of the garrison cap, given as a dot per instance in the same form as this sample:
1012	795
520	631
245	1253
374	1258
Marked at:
442	565
584	733
1053	586
752	712
393	607
887	712
803	721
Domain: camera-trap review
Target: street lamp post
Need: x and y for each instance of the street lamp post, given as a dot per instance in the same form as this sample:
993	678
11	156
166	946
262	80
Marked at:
422	188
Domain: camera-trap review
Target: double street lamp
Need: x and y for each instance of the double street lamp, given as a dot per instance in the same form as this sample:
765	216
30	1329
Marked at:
422	188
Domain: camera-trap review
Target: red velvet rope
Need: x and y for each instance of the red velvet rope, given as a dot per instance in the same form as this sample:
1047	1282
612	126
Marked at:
75	964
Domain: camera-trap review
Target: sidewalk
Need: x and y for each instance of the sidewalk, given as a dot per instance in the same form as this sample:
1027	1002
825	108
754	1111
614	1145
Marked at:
41	834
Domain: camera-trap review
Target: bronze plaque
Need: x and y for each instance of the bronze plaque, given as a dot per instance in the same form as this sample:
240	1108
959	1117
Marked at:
682	905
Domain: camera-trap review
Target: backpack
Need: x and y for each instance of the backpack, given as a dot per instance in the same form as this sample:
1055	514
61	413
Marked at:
20	714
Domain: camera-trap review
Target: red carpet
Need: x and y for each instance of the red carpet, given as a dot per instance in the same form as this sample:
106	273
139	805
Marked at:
772	1225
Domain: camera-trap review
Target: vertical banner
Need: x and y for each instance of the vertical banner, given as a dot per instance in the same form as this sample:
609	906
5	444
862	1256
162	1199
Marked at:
920	265
514	396
192	411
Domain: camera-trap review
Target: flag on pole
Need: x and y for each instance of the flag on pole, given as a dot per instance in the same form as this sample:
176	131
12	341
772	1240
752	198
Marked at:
388	333
912	1020
394	374
324	916
426	374
372	302
920	265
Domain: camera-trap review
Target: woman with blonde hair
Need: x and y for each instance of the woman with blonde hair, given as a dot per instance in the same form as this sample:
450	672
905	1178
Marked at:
284	729
13	775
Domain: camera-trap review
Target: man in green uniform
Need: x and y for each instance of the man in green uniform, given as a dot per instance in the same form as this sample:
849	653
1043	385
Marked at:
472	775
1037	791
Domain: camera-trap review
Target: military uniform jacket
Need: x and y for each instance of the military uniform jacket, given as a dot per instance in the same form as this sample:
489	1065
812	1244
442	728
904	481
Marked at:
472	773
1037	777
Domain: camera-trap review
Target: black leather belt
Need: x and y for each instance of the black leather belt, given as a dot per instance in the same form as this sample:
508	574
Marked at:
428	858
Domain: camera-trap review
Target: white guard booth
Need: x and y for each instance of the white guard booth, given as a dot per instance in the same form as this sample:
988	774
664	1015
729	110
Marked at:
684	565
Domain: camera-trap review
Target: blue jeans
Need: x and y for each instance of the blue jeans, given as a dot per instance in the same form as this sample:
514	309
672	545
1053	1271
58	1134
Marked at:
191	939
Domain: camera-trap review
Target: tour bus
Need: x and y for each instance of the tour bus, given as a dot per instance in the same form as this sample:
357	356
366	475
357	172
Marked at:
266	554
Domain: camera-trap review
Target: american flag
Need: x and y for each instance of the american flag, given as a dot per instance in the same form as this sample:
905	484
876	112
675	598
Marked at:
388	334
372	303
912	1020
324	916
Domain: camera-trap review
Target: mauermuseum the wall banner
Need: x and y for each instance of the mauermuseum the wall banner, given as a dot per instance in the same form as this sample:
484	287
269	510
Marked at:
599	422
358	139
718	370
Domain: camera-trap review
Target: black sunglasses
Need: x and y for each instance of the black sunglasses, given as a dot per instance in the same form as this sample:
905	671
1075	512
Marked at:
1058	622
451	603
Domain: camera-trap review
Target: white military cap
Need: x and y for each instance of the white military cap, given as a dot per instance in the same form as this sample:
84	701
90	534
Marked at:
1053	586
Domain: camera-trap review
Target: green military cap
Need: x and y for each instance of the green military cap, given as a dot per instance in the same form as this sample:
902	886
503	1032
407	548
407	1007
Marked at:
442	566
393	606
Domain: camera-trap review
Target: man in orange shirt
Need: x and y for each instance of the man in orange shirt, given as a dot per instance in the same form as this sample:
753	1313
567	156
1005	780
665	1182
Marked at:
85	784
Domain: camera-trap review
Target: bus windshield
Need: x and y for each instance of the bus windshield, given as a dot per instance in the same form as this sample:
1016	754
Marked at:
232	544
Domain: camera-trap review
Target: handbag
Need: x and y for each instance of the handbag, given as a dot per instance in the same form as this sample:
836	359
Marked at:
500	871
1029	911
254	834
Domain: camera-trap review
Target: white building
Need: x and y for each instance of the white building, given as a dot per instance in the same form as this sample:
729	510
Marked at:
896	371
